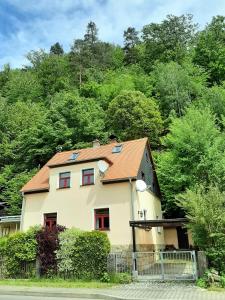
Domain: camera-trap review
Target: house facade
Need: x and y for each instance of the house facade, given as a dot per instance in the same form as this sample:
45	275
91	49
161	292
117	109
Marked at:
71	190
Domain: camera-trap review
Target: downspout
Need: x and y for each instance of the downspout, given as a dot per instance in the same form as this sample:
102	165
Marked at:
22	212
133	231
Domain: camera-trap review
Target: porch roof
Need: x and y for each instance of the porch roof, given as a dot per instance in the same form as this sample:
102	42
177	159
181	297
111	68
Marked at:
166	223
10	219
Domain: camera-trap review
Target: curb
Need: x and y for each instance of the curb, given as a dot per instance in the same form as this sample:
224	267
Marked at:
60	295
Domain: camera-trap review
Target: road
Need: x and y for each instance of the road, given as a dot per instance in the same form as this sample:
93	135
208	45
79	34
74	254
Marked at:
10	297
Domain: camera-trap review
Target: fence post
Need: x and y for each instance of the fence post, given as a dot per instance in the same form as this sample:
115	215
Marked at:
38	268
202	263
162	265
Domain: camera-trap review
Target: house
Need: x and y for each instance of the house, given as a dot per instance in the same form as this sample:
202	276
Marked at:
95	189
8	224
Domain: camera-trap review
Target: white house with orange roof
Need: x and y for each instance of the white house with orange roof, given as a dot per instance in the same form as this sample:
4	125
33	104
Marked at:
95	189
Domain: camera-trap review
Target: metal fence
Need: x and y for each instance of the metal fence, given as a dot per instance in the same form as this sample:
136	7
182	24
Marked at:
25	270
159	265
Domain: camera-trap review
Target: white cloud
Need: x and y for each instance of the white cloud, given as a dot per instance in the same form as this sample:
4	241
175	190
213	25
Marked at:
49	21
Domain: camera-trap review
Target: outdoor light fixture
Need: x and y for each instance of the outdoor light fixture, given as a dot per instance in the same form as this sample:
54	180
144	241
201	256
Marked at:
142	213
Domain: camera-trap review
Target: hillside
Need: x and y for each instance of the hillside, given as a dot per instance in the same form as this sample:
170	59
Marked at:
166	83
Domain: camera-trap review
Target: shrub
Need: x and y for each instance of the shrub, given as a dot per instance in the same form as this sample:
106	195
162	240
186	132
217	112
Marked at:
85	256
205	210
3	241
48	244
19	248
121	278
90	255
65	253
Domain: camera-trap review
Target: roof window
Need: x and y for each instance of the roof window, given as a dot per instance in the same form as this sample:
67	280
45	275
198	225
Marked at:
74	156
117	149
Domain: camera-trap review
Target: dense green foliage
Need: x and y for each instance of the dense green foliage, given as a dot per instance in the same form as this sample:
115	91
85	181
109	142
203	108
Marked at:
17	249
69	253
166	83
205	210
83	254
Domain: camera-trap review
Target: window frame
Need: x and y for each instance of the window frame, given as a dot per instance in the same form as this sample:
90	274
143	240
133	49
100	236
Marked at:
52	218
87	175
64	179
101	216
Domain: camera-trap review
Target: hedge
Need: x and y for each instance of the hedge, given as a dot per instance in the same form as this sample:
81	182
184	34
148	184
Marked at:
85	256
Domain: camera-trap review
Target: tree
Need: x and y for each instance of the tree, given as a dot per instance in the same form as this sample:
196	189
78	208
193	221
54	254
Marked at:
131	40
205	209
10	184
53	74
170	40
57	49
194	155
131	115
210	49
23	85
177	86
214	97
84	118
91	35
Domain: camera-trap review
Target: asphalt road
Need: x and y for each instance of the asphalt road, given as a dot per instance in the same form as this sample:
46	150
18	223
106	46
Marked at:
10	297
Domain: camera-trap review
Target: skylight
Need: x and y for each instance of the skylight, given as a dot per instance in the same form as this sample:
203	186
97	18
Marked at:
117	149
74	156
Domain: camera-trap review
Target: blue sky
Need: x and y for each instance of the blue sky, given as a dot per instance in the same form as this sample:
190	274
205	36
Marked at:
33	24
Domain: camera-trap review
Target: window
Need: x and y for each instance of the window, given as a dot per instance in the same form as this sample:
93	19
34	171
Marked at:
73	156
117	149
64	180
87	176
50	220
102	219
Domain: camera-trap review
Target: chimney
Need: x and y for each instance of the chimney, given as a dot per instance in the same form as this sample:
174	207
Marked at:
112	139
96	143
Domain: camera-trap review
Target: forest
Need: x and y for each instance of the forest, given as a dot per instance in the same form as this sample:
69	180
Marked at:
166	82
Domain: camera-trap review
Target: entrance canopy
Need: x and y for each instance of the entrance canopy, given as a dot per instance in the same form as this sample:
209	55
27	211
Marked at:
166	223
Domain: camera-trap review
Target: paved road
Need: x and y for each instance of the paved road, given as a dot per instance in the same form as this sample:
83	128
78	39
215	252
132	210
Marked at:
9	297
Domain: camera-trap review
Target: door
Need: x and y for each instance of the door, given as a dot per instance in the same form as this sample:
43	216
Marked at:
182	237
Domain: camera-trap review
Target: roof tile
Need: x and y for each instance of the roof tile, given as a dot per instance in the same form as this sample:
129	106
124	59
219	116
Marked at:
123	165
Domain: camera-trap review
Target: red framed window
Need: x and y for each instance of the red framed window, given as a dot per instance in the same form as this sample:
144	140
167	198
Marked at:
87	176
50	221
102	219
64	180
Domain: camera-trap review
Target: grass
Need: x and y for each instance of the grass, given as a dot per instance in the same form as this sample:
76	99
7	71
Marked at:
56	283
216	289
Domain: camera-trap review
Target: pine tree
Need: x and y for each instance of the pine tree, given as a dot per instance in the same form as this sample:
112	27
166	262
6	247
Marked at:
131	40
56	49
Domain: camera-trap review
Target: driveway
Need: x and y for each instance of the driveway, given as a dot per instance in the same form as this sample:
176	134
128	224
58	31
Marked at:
164	291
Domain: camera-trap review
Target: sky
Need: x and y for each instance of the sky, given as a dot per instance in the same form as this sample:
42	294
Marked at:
37	24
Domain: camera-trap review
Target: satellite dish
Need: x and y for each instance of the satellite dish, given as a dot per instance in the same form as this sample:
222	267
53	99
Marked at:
103	166
141	186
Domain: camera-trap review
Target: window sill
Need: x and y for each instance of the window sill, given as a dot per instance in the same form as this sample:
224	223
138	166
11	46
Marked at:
108	229
63	188
87	184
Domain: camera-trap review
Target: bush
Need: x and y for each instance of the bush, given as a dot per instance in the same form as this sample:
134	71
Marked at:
121	278
65	253
3	241
48	244
85	256
19	248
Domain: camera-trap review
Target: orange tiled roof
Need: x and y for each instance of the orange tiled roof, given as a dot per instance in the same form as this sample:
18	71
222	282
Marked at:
123	165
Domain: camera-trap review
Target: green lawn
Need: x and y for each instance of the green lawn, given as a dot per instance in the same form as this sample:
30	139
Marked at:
60	283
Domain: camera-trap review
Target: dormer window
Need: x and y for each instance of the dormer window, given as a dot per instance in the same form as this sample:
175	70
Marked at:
117	149
74	156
